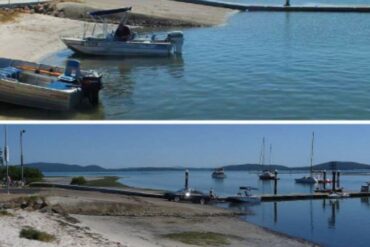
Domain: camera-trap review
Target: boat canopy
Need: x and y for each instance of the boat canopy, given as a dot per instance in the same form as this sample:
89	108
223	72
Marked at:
109	11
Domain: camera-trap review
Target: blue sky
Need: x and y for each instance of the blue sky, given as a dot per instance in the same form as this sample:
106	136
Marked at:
114	146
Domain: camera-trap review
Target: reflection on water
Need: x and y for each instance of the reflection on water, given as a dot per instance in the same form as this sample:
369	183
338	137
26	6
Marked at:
330	222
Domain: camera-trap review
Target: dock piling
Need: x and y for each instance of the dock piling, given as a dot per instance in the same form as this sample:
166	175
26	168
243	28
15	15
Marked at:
287	3
186	179
275	182
334	181
324	176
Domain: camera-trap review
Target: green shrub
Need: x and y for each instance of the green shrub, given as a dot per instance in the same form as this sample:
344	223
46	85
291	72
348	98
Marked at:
78	180
30	174
33	234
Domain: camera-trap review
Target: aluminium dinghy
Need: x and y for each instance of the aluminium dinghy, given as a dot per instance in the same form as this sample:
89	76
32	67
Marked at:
47	87
122	41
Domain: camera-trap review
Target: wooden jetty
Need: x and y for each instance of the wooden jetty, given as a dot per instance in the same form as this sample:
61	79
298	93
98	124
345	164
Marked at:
296	197
278	8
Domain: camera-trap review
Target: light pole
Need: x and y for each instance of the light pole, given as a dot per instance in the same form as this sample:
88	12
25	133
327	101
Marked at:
21	144
6	158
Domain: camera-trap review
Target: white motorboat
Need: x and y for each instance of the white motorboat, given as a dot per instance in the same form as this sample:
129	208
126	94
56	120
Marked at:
309	179
336	195
47	87
219	173
245	196
123	41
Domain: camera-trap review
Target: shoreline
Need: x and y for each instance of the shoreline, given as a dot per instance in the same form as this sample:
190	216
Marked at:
66	180
137	221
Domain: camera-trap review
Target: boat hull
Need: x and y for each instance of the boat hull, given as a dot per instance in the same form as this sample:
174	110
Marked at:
118	48
18	93
240	199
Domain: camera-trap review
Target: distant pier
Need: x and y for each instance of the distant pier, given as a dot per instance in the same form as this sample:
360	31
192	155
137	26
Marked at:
296	197
277	8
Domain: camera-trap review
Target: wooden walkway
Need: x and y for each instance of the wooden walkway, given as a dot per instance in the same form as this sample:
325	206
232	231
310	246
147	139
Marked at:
278	8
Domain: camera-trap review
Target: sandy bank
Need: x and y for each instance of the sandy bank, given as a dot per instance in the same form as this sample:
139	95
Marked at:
31	37
131	221
192	13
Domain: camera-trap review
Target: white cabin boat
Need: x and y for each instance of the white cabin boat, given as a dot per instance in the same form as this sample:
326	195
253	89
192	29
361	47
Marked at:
245	196
46	87
219	173
122	41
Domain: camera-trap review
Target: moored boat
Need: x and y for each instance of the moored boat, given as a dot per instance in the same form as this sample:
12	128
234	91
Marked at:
245	196
266	174
219	173
47	87
123	41
309	179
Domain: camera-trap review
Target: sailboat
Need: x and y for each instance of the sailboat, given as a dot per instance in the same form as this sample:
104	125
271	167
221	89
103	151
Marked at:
309	179
266	174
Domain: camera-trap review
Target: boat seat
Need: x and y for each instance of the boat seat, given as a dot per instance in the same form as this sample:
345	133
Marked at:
59	85
9	72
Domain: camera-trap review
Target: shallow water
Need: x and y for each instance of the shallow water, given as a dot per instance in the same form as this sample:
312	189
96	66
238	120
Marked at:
258	66
342	222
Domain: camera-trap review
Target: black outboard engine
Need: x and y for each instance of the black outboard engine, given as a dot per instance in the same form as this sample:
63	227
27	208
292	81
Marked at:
91	84
89	81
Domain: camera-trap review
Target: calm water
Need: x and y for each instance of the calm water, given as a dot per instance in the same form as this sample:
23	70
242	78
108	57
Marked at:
343	222
258	66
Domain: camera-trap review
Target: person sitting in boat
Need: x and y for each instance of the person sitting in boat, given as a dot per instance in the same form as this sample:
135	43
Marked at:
123	33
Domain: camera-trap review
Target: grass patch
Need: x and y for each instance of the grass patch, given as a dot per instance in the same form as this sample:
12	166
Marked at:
8	16
33	234
108	181
5	213
199	238
78	180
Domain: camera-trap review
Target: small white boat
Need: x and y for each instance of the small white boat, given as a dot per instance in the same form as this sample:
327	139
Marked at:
219	173
309	179
122	41
335	195
245	196
46	87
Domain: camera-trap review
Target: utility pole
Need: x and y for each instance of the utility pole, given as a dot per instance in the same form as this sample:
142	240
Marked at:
21	146
6	158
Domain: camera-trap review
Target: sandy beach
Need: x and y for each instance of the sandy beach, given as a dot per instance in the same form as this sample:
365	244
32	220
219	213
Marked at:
96	219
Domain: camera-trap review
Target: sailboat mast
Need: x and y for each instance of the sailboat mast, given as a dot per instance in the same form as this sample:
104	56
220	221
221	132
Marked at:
270	156
312	143
262	156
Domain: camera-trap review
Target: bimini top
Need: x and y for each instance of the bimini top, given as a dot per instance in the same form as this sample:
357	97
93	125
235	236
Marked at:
109	11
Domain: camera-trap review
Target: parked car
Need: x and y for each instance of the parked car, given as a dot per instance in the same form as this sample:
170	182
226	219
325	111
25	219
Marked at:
190	195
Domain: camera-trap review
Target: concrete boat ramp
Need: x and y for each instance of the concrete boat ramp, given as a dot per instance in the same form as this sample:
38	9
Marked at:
282	8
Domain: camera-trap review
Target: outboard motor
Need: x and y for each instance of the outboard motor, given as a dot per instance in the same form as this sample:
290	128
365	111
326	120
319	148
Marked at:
91	84
90	81
177	40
